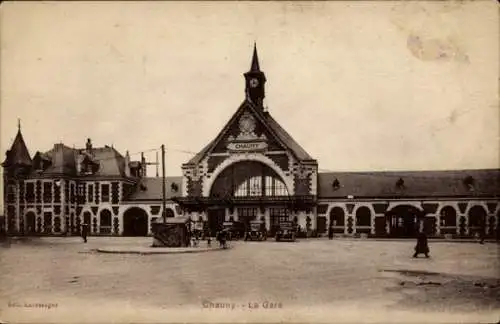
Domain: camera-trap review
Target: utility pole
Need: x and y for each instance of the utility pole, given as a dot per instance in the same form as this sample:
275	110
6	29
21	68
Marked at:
157	164
152	163
164	192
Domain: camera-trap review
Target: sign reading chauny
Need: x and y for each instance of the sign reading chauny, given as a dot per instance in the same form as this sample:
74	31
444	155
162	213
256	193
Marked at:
247	146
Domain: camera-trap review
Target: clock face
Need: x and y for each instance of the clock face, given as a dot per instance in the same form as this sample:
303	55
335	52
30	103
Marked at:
254	83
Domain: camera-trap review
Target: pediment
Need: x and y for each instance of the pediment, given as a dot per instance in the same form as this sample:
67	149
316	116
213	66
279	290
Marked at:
251	130
246	132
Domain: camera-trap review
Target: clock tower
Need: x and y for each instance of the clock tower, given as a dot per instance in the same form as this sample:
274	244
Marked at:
255	81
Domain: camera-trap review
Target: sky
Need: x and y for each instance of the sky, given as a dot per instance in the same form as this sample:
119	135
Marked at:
360	85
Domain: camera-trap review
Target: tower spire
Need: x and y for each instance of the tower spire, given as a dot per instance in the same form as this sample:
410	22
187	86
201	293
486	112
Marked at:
255	80
255	60
19	124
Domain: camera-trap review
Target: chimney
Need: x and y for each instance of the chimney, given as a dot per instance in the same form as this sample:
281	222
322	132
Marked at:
88	146
143	165
127	166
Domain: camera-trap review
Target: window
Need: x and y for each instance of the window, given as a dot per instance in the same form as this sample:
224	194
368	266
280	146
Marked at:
81	189
11	193
253	187
275	187
47	222
169	212
47	192
90	193
30	192
255	184
57	192
105	193
72	193
247	213
278	215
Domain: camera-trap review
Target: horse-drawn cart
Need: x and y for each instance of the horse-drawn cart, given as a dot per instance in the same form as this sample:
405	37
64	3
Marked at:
175	232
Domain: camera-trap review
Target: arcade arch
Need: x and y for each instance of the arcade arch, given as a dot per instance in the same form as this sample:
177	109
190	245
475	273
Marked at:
404	220
135	222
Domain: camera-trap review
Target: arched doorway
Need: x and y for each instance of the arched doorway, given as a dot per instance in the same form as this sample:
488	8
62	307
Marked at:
337	219
248	182
477	220
105	222
87	220
404	220
30	223
135	222
448	220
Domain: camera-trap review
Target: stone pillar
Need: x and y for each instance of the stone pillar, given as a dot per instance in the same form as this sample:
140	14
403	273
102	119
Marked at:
387	225
121	228
438	224
267	219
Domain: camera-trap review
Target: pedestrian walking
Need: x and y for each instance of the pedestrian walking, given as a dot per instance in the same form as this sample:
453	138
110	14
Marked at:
482	233
422	246
84	232
330	233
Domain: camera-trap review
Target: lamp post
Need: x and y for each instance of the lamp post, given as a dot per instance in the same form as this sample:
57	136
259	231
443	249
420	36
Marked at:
164	193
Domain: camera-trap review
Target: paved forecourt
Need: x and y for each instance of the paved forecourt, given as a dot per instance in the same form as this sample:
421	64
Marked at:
308	280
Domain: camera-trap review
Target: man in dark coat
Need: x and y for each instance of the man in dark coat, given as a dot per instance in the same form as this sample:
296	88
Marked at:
422	246
330	233
222	237
84	232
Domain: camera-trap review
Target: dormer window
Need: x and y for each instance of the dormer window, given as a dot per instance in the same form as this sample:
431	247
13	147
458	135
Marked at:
336	184
400	184
469	183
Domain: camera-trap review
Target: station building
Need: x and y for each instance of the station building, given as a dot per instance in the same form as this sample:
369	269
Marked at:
253	170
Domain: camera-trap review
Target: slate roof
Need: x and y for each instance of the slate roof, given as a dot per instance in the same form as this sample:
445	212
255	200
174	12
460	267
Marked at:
18	153
486	182
151	189
275	128
286	138
111	162
64	160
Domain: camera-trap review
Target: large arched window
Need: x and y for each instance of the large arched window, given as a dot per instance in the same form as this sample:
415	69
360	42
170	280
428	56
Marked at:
248	179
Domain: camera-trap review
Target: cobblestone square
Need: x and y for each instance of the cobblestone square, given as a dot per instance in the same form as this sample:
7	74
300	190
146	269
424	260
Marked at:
343	280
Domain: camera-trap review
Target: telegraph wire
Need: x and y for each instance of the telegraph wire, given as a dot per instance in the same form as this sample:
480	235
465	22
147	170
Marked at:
385	174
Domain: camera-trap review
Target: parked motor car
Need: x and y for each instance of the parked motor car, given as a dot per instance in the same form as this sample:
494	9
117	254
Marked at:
286	231
256	231
236	229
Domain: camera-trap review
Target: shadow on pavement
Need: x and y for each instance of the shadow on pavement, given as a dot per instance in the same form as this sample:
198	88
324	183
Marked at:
433	291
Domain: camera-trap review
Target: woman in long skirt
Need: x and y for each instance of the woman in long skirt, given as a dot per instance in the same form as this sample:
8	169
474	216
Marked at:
422	246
